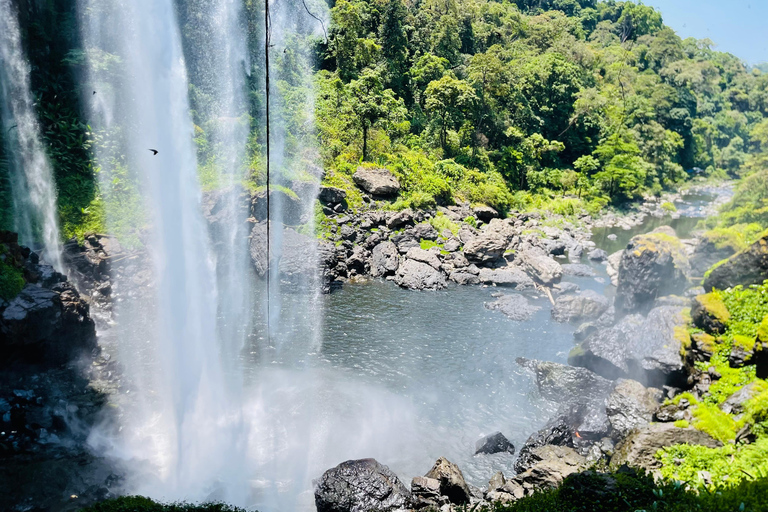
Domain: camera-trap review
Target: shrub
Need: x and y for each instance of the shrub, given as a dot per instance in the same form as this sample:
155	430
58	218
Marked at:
11	281
668	207
440	222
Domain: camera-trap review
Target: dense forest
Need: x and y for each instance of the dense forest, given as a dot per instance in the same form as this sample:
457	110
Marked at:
569	105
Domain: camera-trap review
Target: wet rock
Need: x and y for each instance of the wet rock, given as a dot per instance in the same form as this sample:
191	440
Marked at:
563	383
640	447
332	195
564	288
709	313
644	349
630	405
464	278
578	270
550	466
494	443
418	254
384	259
612	268
745	268
652	265
540	266
360	486
597	255
506	276
709	251
451	480
416	275
376	181
289	204
515	307
426	492
588	305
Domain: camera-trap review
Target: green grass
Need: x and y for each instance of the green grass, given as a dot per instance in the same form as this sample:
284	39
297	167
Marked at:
428	244
440	222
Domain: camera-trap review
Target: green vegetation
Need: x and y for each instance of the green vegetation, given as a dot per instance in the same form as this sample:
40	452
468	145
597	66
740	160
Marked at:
632	492
440	222
11	281
141	504
669	207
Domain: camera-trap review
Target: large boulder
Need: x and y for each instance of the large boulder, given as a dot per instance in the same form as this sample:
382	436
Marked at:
515	307
283	204
452	483
494	443
644	349
749	266
332	195
419	254
653	265
709	313
384	259
416	275
550	466
540	266
304	261
588	305
376	181
711	248
629	406
360	486
506	276
640	447
485	248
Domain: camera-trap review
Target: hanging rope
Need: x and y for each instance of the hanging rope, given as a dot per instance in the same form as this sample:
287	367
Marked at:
267	29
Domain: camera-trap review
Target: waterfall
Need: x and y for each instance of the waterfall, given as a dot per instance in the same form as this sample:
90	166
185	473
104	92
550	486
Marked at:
181	418
33	189
210	412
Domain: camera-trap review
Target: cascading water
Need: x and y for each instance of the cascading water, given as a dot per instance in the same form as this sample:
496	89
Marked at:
33	188
181	417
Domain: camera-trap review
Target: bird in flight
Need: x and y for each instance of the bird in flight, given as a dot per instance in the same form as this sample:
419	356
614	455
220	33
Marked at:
94	92
154	152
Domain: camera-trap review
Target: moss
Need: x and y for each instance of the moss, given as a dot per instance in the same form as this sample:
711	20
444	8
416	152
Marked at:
344	182
472	221
11	281
669	207
705	342
441	222
683	335
682	424
710	419
428	244
762	330
715	307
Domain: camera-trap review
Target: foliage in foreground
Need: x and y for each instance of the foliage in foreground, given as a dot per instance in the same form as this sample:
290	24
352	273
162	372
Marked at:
141	504
632	492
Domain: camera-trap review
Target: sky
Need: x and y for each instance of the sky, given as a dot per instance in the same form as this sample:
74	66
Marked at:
739	27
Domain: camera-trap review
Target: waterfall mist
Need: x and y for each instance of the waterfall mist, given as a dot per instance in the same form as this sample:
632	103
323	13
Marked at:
181	418
33	189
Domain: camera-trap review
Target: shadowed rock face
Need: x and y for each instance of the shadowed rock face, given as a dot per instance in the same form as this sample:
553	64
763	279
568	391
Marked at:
644	349
652	266
745	268
451	480
360	486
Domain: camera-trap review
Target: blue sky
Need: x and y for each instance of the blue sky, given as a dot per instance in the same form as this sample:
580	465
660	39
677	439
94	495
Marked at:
739	27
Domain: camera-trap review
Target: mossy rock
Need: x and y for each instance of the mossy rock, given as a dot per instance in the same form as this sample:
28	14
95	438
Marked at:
703	346
709	313
747	267
762	331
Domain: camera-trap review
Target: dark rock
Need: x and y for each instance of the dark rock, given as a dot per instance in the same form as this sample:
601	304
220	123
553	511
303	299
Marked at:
424	231
464	278
673	412
745	268
332	195
540	266
563	383
588	305
384	260
426	492
452	245
644	349
708	252
419	254
506	276
401	218
653	265
286	205
494	443
597	255
578	270
485	248
347	232
640	447
485	213
416	275
550	466
515	307
555	247
451	480
376	181
629	406
360	486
